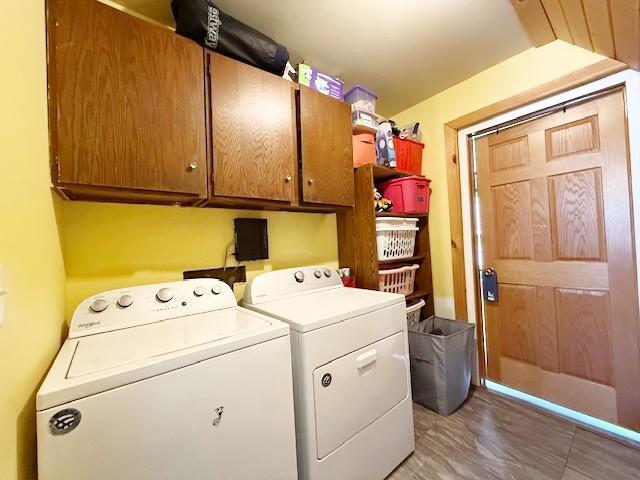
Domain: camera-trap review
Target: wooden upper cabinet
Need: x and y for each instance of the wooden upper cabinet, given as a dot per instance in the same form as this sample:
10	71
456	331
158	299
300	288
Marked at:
327	151
127	103
254	139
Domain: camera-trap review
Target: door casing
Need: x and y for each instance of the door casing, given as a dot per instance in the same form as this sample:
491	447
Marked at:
630	81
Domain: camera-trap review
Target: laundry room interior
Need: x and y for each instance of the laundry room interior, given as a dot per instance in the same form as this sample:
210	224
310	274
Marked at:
319	240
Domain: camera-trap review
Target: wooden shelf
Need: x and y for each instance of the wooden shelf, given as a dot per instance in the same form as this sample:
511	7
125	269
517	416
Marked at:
357	245
401	214
384	173
414	259
417	294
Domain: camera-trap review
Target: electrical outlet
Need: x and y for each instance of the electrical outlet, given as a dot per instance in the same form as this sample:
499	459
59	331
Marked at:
229	275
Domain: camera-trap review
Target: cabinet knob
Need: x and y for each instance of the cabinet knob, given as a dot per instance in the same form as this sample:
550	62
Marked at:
287	179
310	181
192	166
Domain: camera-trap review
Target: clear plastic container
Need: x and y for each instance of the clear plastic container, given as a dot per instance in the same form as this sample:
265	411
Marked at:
361	99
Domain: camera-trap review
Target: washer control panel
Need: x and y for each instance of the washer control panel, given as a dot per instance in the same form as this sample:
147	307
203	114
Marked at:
280	283
129	307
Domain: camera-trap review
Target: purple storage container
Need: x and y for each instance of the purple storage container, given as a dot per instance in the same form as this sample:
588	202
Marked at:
361	99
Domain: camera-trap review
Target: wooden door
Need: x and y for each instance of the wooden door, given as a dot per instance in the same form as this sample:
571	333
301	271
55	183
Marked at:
127	101
327	149
556	226
253	132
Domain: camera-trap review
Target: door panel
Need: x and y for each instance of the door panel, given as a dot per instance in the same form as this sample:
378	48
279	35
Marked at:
576	213
556	226
253	132
584	334
518	322
327	149
513	220
129	102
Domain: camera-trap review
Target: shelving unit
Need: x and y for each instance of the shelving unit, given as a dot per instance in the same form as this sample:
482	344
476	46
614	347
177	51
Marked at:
357	237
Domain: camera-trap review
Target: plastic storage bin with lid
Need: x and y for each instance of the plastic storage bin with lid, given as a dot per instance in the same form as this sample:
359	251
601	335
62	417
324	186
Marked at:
408	194
408	154
361	99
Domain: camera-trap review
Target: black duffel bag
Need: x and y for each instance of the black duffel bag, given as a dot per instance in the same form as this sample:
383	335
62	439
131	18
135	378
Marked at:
204	22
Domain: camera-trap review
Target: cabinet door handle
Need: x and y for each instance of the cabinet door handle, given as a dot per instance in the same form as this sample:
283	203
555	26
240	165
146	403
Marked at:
287	179
192	166
310	181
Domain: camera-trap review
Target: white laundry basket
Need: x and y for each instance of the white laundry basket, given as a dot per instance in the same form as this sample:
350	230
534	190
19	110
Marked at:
396	237
413	313
398	280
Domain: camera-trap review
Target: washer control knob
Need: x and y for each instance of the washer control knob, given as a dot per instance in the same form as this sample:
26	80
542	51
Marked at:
199	291
99	305
317	274
125	301
327	272
164	295
299	276
216	289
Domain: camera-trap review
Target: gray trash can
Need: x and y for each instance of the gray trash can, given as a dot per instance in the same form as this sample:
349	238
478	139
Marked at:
441	363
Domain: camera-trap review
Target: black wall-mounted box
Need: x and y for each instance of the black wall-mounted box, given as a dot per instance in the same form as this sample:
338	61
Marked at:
252	240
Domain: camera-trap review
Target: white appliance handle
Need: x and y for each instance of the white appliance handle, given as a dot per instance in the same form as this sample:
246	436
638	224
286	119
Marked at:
366	358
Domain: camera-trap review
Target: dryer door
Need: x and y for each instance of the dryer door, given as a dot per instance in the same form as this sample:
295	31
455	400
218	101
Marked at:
353	391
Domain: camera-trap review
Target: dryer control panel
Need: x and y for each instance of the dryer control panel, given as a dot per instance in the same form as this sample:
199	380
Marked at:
140	305
291	281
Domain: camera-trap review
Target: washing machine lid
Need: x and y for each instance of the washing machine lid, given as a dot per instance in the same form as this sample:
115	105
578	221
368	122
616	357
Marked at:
101	362
122	347
320	308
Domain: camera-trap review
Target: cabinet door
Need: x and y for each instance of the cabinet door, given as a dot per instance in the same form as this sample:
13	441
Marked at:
327	151
253	132
127	101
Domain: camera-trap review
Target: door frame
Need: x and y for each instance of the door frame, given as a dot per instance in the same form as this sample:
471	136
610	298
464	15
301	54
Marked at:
598	77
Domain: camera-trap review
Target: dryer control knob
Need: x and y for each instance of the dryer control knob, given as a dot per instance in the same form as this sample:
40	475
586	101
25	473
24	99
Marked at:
317	274
125	301
198	291
164	295
216	289
299	276
99	305
327	272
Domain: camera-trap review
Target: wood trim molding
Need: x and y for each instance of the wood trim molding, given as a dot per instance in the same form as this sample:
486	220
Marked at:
575	79
455	219
582	76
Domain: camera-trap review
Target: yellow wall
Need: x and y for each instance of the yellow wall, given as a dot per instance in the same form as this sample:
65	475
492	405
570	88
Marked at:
517	74
29	240
111	246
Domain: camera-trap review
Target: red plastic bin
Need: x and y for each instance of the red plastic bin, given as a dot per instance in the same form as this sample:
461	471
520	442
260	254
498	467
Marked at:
408	194
408	154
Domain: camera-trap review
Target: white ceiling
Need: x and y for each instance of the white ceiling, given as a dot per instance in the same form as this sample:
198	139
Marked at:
404	51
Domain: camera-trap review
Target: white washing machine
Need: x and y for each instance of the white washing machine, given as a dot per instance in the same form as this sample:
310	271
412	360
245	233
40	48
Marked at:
350	372
168	382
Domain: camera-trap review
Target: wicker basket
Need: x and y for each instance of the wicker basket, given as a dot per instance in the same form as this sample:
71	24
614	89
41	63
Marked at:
395	237
413	313
398	280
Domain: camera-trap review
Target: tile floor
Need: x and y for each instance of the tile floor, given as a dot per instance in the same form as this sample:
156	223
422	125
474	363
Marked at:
493	437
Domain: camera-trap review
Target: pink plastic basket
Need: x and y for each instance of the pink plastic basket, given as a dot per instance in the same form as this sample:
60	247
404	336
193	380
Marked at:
398	280
408	194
